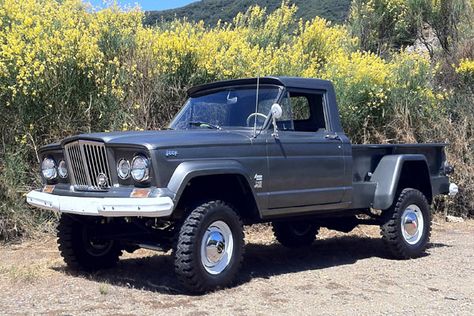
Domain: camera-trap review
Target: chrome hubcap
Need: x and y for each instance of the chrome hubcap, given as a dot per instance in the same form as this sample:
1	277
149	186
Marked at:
412	224
217	245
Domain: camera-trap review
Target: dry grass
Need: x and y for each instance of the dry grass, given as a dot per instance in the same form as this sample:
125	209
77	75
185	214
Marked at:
26	273
103	289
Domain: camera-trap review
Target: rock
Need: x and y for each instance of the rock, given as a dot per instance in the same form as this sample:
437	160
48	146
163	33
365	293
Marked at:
454	219
425	42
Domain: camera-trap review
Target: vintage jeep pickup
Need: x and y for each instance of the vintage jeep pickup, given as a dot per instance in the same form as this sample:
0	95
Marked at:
239	152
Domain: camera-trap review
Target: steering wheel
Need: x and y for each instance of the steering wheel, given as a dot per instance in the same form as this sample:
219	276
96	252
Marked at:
255	114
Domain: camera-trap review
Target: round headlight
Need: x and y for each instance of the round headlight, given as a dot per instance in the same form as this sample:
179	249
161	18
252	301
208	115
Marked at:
62	169
48	168
140	169
123	169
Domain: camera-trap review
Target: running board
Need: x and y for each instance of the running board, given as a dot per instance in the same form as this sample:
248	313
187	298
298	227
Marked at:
152	247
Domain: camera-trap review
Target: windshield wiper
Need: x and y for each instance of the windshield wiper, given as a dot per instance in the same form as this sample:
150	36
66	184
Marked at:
204	124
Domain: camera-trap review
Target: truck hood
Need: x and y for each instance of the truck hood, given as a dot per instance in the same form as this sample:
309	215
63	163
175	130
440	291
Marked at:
167	138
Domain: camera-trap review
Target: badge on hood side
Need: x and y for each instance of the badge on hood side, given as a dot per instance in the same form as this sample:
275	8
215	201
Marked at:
258	181
171	153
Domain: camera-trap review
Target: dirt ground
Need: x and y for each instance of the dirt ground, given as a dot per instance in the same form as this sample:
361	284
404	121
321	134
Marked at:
342	274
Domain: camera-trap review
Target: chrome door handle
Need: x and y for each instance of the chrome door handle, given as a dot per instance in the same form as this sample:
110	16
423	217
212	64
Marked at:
332	137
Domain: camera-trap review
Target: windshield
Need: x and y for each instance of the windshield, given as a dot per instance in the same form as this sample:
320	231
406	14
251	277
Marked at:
228	107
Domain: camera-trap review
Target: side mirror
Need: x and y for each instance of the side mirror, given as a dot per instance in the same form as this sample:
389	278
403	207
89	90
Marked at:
276	111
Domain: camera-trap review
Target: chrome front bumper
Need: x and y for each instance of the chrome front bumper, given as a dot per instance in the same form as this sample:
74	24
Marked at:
108	207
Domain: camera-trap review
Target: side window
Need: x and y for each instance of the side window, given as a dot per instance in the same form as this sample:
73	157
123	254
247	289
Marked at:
300	108
308	111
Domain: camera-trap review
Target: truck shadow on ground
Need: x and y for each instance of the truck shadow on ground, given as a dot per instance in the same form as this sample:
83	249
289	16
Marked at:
156	273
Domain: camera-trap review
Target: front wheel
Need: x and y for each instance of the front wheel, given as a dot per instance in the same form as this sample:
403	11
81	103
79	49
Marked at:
210	247
407	225
79	247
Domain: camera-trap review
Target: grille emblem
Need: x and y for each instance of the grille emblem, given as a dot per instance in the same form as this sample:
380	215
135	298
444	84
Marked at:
102	181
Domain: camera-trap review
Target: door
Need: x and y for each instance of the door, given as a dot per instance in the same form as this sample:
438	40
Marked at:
306	168
306	161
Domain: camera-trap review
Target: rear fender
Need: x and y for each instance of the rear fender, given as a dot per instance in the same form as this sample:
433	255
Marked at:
387	176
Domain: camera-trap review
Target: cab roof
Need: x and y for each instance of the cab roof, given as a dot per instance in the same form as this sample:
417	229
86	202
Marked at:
288	82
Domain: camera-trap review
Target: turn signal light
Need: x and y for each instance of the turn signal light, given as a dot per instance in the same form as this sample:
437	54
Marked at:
140	193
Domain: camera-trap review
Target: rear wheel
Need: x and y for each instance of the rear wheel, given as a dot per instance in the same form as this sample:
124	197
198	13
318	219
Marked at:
295	234
210	247
80	249
407	225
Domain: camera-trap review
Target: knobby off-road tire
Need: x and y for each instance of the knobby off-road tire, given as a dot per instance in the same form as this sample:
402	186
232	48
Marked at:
209	247
407	225
295	234
79	251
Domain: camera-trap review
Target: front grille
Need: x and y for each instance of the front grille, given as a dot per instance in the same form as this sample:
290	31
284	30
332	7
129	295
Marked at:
87	161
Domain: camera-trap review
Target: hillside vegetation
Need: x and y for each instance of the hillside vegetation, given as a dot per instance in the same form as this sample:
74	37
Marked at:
211	11
66	70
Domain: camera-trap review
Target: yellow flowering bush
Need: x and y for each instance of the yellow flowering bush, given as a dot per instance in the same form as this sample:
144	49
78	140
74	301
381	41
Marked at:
466	70
381	24
60	60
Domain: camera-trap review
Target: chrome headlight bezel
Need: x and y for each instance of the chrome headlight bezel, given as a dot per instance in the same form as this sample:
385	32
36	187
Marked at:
140	169
122	163
48	169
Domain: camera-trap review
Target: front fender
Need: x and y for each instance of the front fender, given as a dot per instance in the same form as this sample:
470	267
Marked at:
191	169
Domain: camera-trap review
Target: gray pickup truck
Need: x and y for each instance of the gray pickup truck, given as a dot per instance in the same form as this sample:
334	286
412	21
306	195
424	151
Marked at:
239	152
